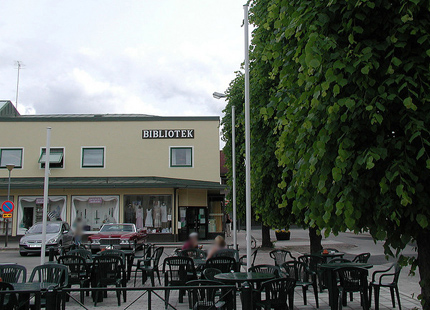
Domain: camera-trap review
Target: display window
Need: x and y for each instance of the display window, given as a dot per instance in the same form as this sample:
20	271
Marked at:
30	211
152	213
94	211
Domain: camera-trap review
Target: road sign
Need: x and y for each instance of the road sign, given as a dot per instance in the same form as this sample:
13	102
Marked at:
7	206
6	215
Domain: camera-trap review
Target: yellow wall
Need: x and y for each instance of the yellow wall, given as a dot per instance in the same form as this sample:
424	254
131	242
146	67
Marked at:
127	154
193	198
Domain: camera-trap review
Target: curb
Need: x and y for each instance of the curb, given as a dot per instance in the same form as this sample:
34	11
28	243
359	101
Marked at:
9	249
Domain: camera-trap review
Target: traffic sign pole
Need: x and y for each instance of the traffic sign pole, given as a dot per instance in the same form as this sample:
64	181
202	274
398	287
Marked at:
7	220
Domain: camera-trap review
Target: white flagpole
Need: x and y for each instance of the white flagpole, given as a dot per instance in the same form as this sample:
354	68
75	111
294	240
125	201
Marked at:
247	145
45	195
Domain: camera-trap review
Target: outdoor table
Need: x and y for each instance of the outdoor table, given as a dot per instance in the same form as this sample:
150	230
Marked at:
199	262
241	277
129	258
24	298
329	271
329	256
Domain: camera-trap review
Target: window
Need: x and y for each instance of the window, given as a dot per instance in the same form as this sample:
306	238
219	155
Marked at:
181	157
56	158
93	157
11	157
152	213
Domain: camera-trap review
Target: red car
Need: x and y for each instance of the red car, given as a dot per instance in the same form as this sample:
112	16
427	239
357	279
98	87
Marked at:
117	236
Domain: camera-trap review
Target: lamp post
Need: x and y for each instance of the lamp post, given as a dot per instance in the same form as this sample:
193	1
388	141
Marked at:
233	155
45	194
9	168
247	143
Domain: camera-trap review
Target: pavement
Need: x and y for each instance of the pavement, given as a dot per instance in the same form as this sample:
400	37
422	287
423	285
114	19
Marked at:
348	243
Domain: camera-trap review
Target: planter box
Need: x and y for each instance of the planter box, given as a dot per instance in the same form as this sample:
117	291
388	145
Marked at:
282	236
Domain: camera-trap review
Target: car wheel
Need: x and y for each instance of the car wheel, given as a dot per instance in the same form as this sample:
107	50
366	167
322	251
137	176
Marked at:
23	253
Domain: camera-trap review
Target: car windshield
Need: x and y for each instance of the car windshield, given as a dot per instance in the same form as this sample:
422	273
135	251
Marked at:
118	227
51	228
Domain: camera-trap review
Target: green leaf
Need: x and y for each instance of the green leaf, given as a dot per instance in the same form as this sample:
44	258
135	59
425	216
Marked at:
420	153
396	61
409	104
337	174
365	70
336	90
422	220
399	190
314	63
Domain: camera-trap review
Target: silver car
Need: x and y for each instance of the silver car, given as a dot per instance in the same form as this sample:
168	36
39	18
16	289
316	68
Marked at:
58	234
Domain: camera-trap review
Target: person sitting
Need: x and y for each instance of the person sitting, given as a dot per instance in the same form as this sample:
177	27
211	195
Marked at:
192	243
218	245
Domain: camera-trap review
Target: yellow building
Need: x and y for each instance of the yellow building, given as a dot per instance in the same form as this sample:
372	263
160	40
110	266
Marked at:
160	173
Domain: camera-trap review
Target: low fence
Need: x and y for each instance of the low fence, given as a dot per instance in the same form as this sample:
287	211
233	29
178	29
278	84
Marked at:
55	299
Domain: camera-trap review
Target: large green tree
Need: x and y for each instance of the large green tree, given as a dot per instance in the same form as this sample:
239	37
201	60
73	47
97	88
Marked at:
353	87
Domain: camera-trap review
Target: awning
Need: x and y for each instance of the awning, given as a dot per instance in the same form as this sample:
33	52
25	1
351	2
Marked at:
110	182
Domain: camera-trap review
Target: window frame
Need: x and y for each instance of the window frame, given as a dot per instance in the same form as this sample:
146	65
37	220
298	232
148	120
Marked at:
92	166
180	147
13	149
41	165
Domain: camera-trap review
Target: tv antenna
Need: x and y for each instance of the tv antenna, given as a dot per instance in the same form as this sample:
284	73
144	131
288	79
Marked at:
19	65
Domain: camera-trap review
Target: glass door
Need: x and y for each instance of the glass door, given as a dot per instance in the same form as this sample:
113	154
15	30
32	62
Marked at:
197	221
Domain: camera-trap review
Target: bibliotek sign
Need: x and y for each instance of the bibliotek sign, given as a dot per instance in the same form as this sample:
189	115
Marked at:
168	134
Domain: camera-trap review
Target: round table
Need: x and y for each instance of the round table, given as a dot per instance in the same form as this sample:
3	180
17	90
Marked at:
35	287
329	271
241	277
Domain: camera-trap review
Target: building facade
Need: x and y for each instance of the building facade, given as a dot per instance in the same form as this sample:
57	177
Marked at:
160	173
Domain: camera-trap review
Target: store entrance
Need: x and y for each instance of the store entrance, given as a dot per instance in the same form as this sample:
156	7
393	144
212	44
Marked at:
196	220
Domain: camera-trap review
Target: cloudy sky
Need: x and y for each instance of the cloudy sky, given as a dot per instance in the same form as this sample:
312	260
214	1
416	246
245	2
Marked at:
152	57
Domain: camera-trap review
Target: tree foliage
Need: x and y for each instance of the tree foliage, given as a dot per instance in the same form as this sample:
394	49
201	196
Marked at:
351	103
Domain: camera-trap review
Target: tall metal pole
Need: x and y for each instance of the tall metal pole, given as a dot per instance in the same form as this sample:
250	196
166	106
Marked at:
7	220
45	194
233	155
17	84
247	145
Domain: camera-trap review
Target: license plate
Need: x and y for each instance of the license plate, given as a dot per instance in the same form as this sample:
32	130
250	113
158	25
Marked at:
34	245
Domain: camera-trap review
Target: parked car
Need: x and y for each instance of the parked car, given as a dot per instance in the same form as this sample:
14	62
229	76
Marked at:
118	236
58	234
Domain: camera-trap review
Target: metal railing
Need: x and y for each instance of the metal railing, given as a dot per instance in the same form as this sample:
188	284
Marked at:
56	297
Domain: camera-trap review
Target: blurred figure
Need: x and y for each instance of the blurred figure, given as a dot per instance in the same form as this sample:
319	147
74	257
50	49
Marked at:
192	243
78	227
228	225
218	245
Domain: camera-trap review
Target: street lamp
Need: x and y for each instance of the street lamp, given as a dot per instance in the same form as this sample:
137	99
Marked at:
233	155
9	168
217	95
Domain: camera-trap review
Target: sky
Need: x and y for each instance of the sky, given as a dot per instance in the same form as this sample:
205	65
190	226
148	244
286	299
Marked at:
163	57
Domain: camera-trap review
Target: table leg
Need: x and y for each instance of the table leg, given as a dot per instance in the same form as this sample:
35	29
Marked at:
332	289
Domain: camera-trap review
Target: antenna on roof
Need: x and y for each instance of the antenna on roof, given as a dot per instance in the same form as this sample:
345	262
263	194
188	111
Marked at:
19	66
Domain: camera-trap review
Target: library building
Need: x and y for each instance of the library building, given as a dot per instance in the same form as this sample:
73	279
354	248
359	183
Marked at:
160	173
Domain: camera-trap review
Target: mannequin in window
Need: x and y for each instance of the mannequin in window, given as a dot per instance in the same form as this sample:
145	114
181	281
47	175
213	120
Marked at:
148	221
157	214
139	217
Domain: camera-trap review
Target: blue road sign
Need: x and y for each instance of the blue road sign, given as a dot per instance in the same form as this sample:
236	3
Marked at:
7	206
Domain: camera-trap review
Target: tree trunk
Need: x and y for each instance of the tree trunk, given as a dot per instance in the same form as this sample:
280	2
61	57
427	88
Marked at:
315	240
423	243
265	233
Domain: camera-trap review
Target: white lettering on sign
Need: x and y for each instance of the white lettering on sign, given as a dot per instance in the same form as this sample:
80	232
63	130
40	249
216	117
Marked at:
168	134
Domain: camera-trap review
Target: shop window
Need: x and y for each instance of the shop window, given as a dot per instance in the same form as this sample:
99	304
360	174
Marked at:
152	213
181	157
94	211
56	158
11	157
30	211
93	157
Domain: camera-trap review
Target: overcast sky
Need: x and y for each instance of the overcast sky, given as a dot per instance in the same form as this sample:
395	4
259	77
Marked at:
152	57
